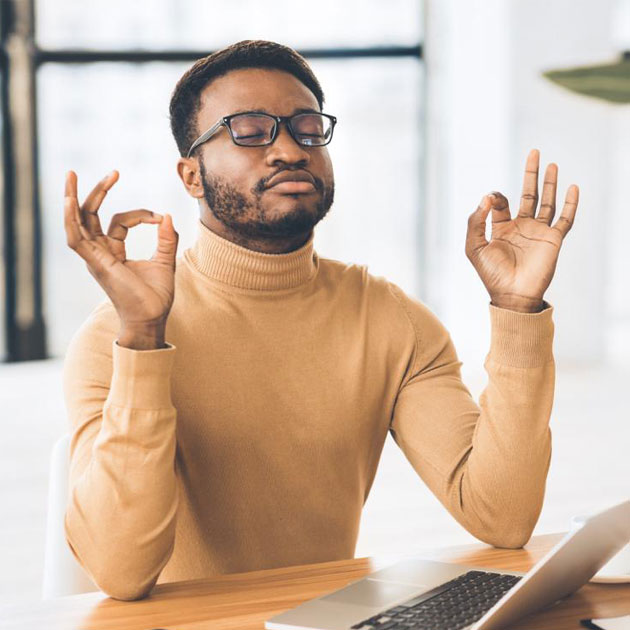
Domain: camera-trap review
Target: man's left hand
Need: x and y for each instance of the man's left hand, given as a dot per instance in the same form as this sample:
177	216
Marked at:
518	263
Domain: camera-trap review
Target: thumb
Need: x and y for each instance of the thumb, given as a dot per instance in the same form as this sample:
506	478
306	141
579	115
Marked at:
167	242
476	235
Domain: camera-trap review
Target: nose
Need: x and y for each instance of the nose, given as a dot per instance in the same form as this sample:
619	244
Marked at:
286	150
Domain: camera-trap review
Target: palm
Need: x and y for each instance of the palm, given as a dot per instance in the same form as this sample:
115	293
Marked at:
521	256
144	288
519	261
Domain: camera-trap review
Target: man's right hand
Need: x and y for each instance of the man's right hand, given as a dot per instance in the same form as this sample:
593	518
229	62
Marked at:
141	290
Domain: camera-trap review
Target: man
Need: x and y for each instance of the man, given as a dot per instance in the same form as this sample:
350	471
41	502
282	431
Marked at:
229	413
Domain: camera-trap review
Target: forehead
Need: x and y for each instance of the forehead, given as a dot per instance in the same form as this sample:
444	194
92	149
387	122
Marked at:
274	91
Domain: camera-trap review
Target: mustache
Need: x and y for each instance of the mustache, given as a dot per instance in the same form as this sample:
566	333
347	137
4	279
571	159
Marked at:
261	185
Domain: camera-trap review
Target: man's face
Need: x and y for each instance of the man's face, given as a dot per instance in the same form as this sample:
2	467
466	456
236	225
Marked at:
236	179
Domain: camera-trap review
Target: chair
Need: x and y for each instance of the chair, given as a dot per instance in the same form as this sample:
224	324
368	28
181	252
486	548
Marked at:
63	575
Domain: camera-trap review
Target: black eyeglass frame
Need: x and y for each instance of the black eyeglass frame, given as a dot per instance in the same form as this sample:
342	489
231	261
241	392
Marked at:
225	122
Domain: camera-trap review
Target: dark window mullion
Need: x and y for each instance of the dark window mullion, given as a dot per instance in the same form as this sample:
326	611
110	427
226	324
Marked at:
131	56
24	321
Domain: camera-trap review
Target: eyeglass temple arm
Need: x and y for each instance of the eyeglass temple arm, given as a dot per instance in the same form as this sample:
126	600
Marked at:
204	136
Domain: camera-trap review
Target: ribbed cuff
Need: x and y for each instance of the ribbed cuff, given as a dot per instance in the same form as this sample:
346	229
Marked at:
141	379
521	340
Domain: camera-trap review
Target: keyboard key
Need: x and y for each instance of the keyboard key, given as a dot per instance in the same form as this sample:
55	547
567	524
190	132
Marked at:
451	606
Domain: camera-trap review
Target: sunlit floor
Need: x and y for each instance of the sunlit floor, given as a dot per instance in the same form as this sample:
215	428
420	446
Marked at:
590	469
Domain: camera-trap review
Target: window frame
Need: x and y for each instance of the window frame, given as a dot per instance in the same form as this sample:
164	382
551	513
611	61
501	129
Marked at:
24	322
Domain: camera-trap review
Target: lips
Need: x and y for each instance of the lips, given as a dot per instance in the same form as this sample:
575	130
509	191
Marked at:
298	180
292	187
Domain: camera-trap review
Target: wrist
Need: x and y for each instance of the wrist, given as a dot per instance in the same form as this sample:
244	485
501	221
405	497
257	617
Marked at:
519	304
142	336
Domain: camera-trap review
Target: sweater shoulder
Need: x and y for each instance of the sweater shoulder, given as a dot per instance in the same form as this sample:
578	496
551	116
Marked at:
331	270
409	312
352	279
406	321
339	270
426	324
356	276
101	325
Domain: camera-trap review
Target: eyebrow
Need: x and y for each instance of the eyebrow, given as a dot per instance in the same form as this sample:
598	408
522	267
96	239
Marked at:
262	110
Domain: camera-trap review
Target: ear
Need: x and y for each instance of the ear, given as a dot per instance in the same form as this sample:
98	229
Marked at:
189	173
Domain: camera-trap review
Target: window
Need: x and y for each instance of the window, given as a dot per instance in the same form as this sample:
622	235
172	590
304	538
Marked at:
105	72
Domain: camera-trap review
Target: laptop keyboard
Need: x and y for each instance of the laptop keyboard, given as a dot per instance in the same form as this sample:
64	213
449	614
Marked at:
451	606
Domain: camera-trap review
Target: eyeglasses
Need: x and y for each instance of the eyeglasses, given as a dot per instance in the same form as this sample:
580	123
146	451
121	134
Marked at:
255	129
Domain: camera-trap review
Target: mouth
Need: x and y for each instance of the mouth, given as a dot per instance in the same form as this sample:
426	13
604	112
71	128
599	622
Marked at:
291	187
292	182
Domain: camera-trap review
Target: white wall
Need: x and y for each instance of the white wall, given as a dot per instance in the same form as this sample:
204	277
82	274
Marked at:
468	126
488	106
616	216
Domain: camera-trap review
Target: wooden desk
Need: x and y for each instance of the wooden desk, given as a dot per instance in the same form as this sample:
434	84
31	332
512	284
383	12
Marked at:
246	600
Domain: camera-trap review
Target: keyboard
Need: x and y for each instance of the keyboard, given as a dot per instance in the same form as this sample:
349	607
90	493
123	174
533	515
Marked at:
451	606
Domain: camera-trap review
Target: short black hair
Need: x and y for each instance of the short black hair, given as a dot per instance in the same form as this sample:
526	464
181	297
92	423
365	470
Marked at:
186	98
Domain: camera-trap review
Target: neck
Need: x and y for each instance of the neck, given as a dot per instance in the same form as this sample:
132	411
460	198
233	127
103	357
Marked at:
266	245
235	266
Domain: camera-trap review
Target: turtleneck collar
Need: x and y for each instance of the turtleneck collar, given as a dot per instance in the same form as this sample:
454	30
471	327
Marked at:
237	266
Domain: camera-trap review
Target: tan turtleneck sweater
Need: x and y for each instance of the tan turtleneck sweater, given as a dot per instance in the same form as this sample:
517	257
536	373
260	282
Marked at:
253	439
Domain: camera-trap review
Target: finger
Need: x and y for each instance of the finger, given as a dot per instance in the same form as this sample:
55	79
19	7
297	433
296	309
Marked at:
476	235
529	197
566	218
548	201
71	184
167	242
92	203
500	207
123	221
97	257
75	230
71	212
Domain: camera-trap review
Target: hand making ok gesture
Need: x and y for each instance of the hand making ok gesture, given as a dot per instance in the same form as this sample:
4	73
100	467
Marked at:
518	263
141	290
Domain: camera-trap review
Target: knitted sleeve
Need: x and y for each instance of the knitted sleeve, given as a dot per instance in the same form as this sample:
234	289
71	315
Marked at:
487	463
120	519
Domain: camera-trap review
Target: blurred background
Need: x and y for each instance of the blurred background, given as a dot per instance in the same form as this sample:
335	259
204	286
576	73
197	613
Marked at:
438	102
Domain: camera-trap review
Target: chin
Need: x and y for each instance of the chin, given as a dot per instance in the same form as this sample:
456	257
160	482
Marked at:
288	221
292	205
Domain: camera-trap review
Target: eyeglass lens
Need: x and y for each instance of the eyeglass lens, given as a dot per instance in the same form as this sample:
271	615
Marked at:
257	129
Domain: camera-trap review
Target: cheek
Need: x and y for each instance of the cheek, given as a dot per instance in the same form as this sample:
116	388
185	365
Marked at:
325	166
237	167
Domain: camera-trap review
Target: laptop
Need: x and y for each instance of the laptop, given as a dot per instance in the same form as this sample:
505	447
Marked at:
423	594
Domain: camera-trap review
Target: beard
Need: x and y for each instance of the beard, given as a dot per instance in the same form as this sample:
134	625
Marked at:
249	217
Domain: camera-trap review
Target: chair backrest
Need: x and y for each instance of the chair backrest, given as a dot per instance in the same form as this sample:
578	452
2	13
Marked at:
63	575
